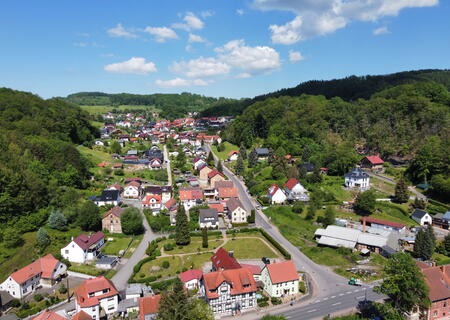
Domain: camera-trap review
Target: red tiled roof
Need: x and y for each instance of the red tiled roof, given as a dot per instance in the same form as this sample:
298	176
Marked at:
190	193
133	184
224	184
375	160
170	203
151	196
282	271
222	260
241	281
43	266
229	154
272	189
291	183
191	275
213	173
148	305
218	206
115	186
117	211
48	315
81	315
91	286
438	280
383	222
228	192
84	241
256	270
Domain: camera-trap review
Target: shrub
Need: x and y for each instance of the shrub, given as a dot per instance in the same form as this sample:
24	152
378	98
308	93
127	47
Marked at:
302	287
62	289
263	304
275	301
165	264
15	303
298	207
38	297
169	246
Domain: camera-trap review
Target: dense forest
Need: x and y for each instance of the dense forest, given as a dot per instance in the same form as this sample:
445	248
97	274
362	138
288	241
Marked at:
406	121
39	161
349	89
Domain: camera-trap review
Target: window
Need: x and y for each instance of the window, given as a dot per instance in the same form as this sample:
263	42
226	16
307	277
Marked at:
434	313
445	304
110	307
67	251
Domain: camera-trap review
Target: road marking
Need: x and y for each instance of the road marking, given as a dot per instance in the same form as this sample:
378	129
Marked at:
360	297
312	310
332	297
348	292
335	304
357	290
325	299
341	294
317	300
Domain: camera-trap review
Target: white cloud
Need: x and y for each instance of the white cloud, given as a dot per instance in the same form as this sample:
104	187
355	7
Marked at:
161	33
320	17
207	13
120	32
80	44
195	38
240	12
135	65
244	75
191	22
180	82
295	56
200	67
381	30
252	60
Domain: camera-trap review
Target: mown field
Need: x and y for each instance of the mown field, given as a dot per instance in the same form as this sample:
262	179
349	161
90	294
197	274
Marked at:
96	110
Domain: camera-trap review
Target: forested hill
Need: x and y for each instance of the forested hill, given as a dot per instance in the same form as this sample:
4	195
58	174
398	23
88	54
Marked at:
38	157
349	89
410	120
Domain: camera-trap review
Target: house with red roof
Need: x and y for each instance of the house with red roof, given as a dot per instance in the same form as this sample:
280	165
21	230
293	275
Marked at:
233	155
190	197
276	194
132	190
382	224
225	190
224	260
229	292
49	315
97	296
42	272
295	191
215	176
84	248
374	163
280	279
155	164
153	202
148	307
81	315
191	278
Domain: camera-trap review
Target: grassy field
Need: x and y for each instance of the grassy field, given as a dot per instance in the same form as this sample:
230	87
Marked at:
96	110
249	249
96	156
115	246
228	147
194	247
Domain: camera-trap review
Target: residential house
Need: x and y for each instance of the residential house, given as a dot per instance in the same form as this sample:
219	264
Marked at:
374	163
84	248
276	194
190	197
306	167
236	211
233	155
132	190
42	272
437	279
295	191
155	164
421	217
442	220
137	290
148	307
191	278
164	191
108	197
218	205
97	296
115	186
225	190
224	260
262	153
198	162
256	270
208	218
170	205
49	315
153	202
383	224
111	220
204	172
229	291
357	179
280	279
215	176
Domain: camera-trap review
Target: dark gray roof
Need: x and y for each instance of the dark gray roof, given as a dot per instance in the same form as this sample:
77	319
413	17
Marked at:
157	189
138	288
107	260
109	195
309	167
418	213
262	151
208	215
127	303
357	173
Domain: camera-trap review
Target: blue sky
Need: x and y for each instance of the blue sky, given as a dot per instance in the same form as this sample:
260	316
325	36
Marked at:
227	48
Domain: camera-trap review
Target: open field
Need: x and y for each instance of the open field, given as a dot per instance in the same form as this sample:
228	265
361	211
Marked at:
249	248
96	156
96	110
194	247
228	147
115	246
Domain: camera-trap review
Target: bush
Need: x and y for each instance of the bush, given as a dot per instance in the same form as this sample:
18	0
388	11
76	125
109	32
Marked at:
263	304
275	301
62	289
165	264
298	207
275	243
131	221
12	238
15	303
301	287
169	246
38	297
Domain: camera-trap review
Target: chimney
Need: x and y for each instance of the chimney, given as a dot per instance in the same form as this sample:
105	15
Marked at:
231	254
364	224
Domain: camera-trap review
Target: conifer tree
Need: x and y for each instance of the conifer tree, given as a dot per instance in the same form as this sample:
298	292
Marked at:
239	166
243	152
174	304
205	238
401	191
210	159
252	159
220	167
182	236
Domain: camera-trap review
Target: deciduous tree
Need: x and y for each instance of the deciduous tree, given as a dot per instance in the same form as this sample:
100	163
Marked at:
131	221
365	202
89	217
42	238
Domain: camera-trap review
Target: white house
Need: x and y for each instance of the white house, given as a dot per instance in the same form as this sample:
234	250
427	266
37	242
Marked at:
236	211
153	202
280	279
132	190
108	197
198	162
421	217
95	296
208	218
357	179
295	191
233	155
190	197
276	194
155	164
42	272
191	278
84	248
99	143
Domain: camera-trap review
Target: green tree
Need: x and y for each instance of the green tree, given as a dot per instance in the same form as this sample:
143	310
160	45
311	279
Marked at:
252	159
12	238
292	172
401	191
365	202
205	238
298	207
311	212
115	147
419	203
406	289
57	220
174	303
240	167
219	166
42	238
243	152
180	160
431	236
330	216
89	217
447	244
252	217
199	310
210	159
131	221
182	236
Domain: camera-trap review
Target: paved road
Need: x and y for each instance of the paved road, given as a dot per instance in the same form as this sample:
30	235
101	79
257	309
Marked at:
126	270
169	172
393	182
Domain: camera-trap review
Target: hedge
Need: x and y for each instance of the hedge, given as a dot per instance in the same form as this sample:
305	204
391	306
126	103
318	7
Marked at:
210	233
162	285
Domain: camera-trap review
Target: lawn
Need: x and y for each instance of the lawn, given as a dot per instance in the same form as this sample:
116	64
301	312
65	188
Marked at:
249	248
96	110
136	241
194	247
96	156
382	186
228	147
115	246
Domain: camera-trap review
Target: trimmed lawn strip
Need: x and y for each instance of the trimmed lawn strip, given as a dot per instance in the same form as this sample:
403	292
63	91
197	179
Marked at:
115	246
194	247
250	248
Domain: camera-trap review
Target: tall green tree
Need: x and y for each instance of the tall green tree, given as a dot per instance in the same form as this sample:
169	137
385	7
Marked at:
401	191
431	236
447	244
240	167
252	159
365	202
57	220
199	310
89	217
131	222
115	147
423	245
182	236
243	152
404	284
220	166
42	238
174	303
210	159
330	216
205	238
